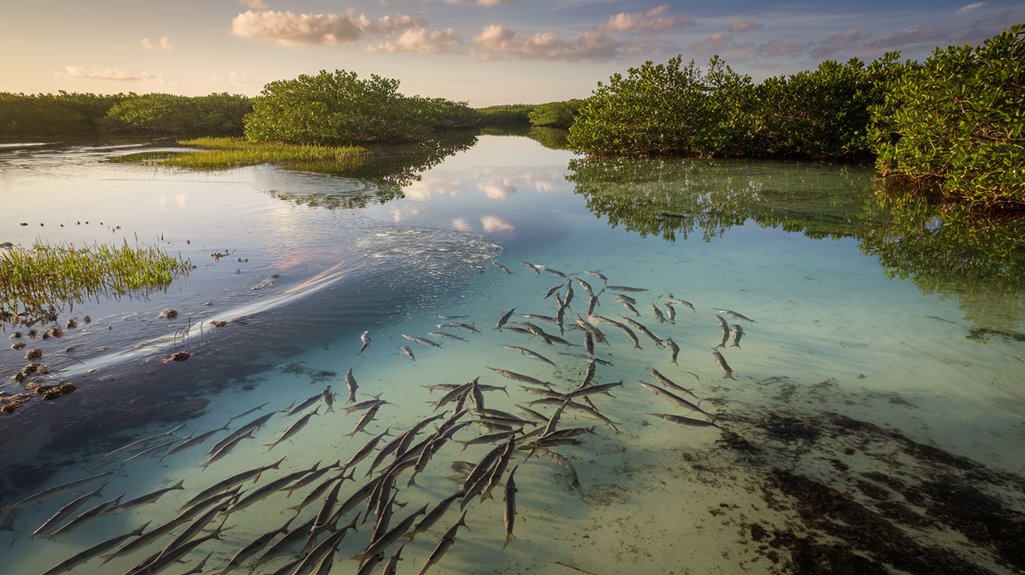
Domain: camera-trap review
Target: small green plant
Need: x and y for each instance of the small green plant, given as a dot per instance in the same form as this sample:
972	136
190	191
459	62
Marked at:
36	279
222	153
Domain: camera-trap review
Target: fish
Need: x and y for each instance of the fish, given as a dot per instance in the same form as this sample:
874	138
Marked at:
392	566
589	343
304	404
316	492
621	298
738	332
503	319
458	325
294	428
246	412
585	286
364	339
226	448
553	271
588	374
142	441
409	352
725	331
592	302
447	540
501	267
535	267
272	487
420	340
622	327
562	460
668	382
672	397
367	418
94	551
193	441
510	507
310	477
245	430
86	515
601	388
390	537
520	377
445	334
350	383
677	301
530	354
172	556
200	567
324	515
153	448
671	313
598	275
364	451
736	315
673	348
719	359
626	288
254	546
496	473
552	290
329	399
569	294
643	329
226	484
67	510
145	499
284	543
661	317
685	420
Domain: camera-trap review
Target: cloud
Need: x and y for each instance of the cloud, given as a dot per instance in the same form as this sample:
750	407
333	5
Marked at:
496	41
713	43
971	7
103	73
744	26
254	4
164	44
839	42
421	40
653	20
287	28
780	48
485	3
496	224
909	36
497	190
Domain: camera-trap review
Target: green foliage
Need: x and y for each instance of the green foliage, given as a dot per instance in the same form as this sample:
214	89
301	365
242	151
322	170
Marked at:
340	108
555	114
53	114
179	115
957	124
513	115
822	113
53	274
657	109
223	153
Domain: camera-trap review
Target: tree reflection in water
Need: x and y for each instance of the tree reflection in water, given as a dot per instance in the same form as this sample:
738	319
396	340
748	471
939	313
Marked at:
943	250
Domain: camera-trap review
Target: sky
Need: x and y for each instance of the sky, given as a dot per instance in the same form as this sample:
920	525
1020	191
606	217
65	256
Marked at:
483	52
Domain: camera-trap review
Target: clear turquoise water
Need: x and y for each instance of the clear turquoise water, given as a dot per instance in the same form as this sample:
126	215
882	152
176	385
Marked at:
834	332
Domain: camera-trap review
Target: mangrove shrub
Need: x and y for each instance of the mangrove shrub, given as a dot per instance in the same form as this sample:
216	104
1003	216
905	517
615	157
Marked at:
957	124
215	114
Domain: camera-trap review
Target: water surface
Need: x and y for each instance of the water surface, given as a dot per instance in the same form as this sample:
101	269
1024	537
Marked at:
864	372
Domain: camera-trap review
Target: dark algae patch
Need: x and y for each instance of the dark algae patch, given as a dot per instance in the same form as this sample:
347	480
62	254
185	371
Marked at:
860	498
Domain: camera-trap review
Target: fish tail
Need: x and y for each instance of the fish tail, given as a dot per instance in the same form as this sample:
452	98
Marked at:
508	537
330	409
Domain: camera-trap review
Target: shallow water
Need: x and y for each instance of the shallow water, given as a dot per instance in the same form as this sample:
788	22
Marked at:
835	337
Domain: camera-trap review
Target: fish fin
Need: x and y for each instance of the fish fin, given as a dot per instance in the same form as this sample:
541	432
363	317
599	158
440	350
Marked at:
508	537
330	409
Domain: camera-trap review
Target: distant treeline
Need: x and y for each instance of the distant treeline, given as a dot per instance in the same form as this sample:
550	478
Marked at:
953	124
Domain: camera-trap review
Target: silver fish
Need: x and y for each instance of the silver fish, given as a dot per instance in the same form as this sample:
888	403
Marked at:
246	412
94	551
622	327
678	301
254	546
458	325
725	331
673	348
390	537
86	515
736	315
685	420
502	320
672	397
643	329
445	334
598	275
528	353
364	339
142	441
537	268
329	399
409	352
510	507
145	499
350	383
661	317
272	487
51	491
237	479
671	312
719	359
193	442
367	418
552	290
447	540
227	447
553	271
738	332
520	377
305	403
421	340
501	267
626	288
294	428
66	510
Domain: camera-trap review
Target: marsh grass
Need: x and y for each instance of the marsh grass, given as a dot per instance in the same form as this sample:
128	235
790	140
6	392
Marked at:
223	153
47	275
